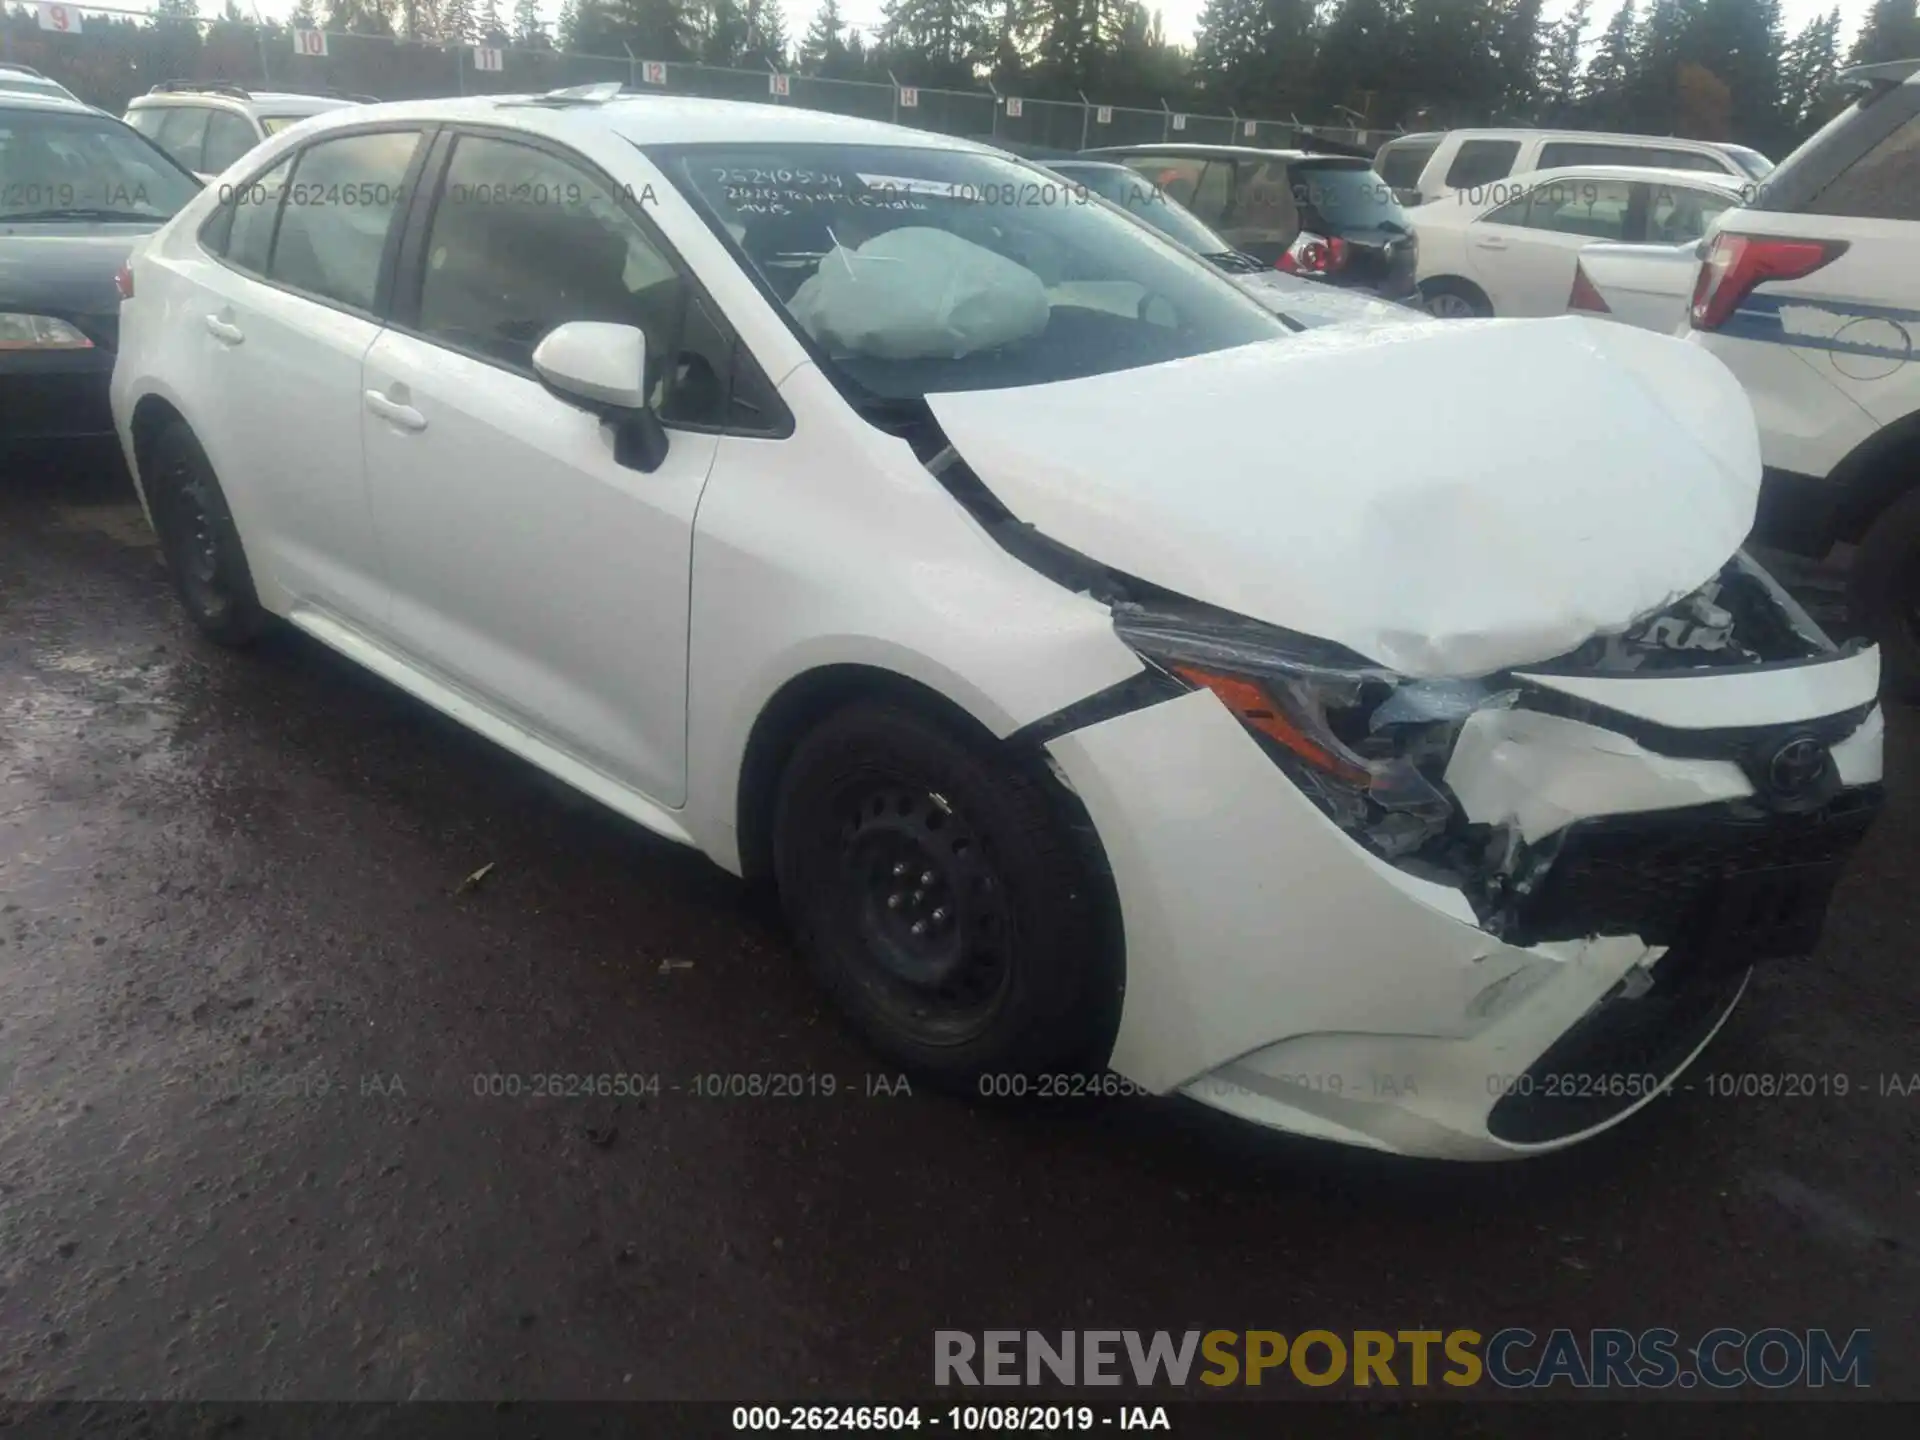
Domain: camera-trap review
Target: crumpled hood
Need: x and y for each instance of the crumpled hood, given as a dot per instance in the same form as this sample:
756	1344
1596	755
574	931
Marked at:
1446	498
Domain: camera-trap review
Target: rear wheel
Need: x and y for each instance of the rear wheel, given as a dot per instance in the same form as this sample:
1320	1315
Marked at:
198	537
1452	299
1883	592
941	900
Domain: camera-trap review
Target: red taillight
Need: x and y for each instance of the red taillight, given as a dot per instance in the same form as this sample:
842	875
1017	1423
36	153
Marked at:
123	280
1584	296
1312	254
1738	263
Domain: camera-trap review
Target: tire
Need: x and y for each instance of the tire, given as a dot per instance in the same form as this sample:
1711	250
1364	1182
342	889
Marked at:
1883	593
1017	971
1455	300
198	538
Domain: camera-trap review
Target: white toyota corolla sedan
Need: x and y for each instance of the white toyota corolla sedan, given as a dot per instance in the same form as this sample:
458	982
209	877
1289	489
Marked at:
1376	733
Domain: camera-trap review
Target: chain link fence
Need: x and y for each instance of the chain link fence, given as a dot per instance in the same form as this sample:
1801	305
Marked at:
107	59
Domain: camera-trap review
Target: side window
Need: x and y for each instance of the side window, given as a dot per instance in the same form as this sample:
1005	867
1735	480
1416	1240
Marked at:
1883	184
1680	160
1514	212
1679	214
254	207
1481	161
229	136
182	133
1178	175
521	242
339	205
1568	152
1593	208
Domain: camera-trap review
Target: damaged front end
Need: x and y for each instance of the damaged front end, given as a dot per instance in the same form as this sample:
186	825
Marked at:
1558	816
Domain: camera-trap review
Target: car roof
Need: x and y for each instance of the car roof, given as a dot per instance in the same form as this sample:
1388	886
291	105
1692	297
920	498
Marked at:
1173	147
1610	137
270	102
657	120
1712	179
44	100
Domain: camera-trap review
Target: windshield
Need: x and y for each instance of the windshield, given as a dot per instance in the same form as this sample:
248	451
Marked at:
1751	161
1347	194
274	124
1140	197
56	165
914	270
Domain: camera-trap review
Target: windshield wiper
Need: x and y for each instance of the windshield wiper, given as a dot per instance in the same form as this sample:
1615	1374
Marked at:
1234	261
79	212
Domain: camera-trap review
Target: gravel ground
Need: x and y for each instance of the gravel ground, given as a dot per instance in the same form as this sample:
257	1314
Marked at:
247	1003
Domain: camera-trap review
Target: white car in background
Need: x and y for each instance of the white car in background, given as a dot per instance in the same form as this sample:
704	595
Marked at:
1508	247
1104	690
208	124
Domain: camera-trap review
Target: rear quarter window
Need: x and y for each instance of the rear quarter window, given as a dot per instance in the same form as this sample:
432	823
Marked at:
1477	162
1883	184
1400	162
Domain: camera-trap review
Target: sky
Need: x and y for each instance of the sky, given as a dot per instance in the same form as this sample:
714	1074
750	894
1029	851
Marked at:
1178	16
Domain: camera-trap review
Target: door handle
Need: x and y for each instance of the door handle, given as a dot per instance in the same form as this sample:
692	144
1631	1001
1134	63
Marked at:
405	416
223	332
1490	242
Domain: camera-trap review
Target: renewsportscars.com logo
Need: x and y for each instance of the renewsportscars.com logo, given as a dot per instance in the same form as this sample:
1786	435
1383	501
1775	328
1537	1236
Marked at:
1513	1358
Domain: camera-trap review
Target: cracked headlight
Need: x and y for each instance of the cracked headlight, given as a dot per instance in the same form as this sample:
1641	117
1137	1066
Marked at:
1367	745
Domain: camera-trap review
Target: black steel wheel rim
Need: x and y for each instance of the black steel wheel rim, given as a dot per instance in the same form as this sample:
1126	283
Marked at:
196	542
924	917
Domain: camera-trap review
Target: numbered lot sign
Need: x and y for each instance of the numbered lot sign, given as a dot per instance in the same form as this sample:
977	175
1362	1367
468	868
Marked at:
776	84
488	57
1013	107
653	72
310	42
1179	122
1103	115
1247	128
61	19
909	98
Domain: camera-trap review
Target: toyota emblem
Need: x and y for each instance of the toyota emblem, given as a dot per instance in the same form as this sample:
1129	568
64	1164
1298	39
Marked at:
1797	767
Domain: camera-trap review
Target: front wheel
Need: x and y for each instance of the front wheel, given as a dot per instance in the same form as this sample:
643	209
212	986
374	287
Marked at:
941	900
1883	592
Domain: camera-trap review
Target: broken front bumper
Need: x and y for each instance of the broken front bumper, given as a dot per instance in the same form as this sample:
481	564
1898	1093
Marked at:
1279	971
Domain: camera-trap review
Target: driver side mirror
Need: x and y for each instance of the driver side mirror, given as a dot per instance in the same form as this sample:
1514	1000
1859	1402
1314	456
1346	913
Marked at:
602	368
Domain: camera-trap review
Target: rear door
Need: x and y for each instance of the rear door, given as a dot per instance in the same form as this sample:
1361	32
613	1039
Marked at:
283	309
1522	253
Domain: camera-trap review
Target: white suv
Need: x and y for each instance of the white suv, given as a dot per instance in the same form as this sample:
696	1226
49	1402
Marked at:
1097	684
1811	295
1423	167
207	125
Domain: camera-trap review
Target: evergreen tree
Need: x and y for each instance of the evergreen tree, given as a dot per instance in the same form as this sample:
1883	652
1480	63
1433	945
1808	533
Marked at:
944	37
1604	88
489	26
457	23
1891	32
825	41
303	17
1559	73
529	29
1807	68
